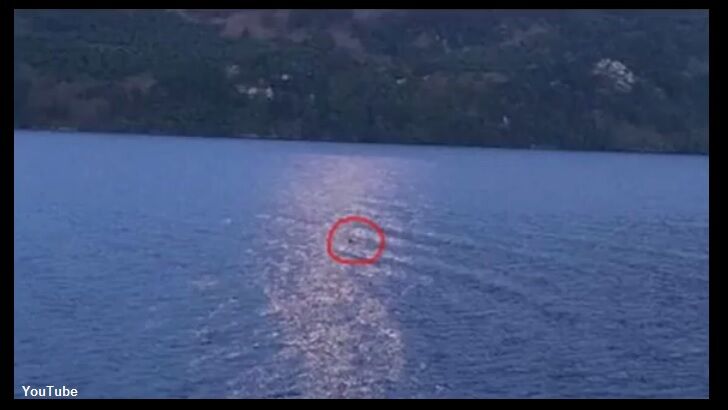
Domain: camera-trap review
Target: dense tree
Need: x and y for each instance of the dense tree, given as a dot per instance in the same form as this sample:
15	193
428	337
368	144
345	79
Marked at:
488	78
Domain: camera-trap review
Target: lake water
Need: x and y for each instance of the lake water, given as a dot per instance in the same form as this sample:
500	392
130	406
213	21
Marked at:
191	267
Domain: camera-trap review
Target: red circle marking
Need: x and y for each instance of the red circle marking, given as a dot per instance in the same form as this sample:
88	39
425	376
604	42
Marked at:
360	261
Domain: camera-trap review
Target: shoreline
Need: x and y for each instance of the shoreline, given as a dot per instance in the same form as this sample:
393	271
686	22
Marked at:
253	137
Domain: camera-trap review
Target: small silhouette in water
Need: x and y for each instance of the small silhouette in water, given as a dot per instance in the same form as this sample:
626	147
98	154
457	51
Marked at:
351	240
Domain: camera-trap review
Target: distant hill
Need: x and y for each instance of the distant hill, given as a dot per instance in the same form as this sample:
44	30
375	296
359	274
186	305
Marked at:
596	80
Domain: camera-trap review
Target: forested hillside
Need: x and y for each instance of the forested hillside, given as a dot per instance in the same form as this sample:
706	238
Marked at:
602	80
